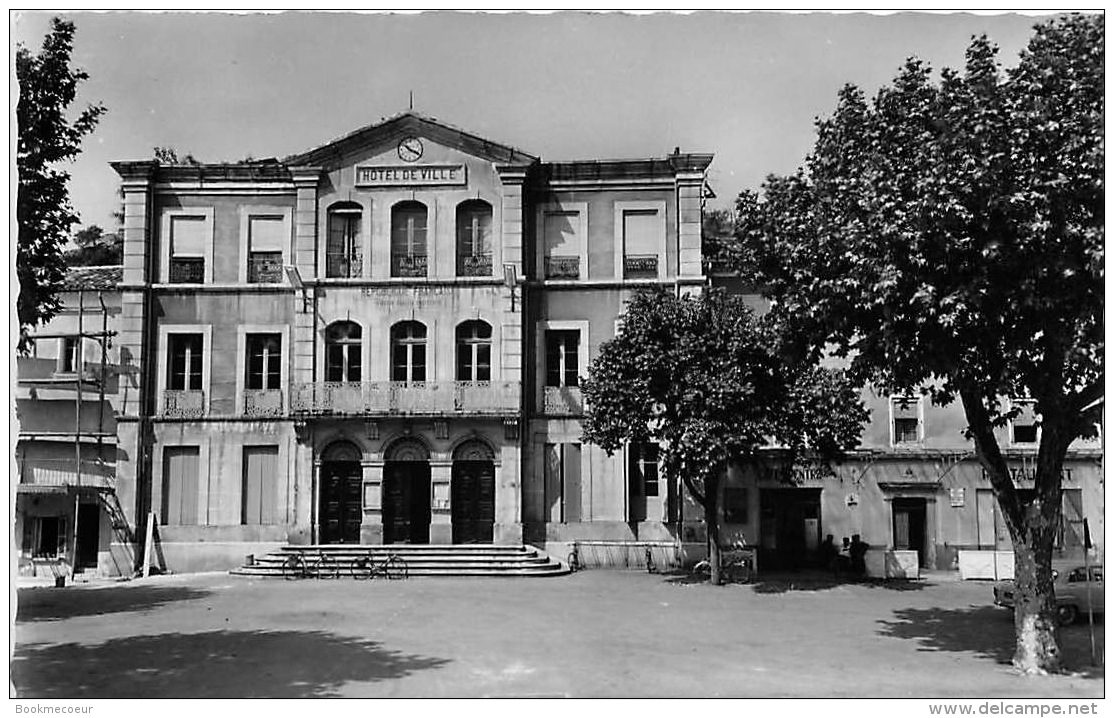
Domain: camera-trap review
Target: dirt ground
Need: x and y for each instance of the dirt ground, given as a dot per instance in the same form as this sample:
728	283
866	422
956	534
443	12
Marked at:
592	634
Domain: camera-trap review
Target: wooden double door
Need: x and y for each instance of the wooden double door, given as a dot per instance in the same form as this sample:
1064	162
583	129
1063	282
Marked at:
473	501
406	502
341	502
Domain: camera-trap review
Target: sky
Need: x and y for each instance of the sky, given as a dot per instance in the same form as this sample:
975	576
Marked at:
744	86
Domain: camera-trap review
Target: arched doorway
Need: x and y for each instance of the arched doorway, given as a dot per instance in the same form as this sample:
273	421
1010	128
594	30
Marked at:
341	506
473	493
406	511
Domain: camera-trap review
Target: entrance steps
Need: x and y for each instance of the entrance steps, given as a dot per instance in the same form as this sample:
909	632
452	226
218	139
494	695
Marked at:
422	560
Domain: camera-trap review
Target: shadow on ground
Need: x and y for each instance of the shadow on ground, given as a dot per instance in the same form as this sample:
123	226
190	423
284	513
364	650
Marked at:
218	664
987	632
782	582
55	604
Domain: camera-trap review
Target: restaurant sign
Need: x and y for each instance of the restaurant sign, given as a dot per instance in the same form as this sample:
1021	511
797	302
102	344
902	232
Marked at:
410	175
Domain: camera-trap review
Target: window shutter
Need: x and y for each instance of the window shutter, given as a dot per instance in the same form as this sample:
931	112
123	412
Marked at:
561	230
640	232
188	236
265	233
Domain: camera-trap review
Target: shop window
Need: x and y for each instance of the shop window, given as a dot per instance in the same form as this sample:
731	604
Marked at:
562	351
264	365
189	235
473	239
643	460
473	351
343	342
906	419
1024	427
408	240
185	363
408	352
267	235
343	253
49	540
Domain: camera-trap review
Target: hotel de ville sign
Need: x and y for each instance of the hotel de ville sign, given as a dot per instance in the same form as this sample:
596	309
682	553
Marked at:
410	175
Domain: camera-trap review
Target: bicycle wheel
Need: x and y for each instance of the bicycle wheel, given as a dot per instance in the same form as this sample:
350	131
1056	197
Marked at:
361	568
396	568
327	567
294	567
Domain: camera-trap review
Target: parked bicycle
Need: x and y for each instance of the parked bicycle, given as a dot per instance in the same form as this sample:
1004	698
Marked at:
320	565
393	567
736	564
574	558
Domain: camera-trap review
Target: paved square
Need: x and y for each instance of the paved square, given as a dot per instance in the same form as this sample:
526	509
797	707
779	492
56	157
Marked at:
596	633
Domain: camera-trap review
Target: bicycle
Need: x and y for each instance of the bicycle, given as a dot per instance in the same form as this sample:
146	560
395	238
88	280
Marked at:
736	565
296	567
393	568
574	558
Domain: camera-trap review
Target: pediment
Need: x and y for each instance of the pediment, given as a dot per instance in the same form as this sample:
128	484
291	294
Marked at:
383	137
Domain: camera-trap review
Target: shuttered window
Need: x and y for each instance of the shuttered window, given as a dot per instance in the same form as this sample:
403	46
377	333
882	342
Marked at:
562	482
260	497
179	485
906	420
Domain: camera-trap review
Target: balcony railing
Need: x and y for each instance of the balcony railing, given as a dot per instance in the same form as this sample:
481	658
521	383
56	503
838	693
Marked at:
187	270
409	265
183	404
343	266
562	267
262	402
474	265
265	268
640	266
562	401
412	398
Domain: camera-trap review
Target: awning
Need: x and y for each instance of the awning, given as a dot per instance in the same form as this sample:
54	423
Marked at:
57	489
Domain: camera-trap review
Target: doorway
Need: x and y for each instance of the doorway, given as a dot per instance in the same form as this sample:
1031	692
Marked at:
473	494
909	526
789	527
341	505
406	493
88	536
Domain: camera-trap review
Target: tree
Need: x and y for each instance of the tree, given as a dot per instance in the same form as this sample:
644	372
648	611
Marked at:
169	156
709	381
47	87
717	235
95	248
948	238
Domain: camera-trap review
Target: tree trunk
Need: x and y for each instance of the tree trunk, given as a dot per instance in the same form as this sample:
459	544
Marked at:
1036	650
1032	525
711	520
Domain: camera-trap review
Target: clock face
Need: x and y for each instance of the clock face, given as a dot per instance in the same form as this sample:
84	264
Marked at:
410	149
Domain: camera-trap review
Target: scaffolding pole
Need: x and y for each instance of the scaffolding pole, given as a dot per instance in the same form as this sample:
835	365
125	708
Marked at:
79	368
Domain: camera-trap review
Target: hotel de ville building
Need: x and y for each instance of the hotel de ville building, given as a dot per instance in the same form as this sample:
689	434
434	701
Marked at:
381	341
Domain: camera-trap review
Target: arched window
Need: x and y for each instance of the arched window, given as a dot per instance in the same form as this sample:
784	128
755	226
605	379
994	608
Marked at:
342	351
473	351
408	240
343	251
408	352
473	238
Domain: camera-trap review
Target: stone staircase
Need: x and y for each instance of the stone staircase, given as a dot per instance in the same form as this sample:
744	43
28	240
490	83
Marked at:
423	560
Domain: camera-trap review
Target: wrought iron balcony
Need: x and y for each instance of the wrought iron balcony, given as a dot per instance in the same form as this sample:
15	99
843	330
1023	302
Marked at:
343	266
265	268
409	265
640	266
474	265
187	270
430	398
263	402
183	404
562	267
562	401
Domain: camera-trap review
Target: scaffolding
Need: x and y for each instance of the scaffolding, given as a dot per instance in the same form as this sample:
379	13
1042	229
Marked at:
81	380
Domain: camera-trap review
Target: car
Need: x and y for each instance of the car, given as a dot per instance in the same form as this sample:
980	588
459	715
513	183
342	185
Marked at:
1071	588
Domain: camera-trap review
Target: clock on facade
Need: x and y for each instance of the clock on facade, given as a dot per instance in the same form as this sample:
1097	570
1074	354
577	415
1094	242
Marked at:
410	149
